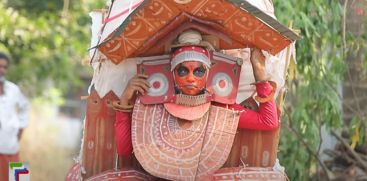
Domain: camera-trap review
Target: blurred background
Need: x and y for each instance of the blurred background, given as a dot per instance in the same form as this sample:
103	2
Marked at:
324	122
48	42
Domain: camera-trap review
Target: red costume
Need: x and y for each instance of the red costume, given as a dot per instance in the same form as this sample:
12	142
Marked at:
265	119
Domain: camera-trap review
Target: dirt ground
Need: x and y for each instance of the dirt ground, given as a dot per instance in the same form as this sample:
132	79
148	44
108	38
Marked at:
43	144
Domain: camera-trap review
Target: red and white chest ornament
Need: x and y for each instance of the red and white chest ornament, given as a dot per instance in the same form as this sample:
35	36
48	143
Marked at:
175	149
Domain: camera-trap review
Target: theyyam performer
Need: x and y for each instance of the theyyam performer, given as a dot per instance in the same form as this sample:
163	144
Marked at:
185	90
190	66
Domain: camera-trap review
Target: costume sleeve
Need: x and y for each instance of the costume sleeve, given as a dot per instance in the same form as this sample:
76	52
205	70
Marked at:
23	110
266	118
123	133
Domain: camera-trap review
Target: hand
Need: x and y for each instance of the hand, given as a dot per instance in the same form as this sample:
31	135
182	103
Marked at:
258	64
137	84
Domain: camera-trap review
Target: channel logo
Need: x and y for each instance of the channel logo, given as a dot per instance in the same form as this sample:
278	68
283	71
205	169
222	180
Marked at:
19	171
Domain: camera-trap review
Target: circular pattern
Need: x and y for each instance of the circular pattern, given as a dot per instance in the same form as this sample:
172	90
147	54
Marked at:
156	85
222	84
159	84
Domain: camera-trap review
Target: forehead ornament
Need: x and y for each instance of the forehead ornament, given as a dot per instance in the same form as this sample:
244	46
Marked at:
190	53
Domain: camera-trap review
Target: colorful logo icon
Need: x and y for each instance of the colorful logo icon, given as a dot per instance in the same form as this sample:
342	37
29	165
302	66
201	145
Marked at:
19	171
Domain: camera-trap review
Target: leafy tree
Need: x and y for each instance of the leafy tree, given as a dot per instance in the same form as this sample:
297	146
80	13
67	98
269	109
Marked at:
315	97
47	41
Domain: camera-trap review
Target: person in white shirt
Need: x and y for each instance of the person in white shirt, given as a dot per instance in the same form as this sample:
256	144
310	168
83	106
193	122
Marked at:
13	118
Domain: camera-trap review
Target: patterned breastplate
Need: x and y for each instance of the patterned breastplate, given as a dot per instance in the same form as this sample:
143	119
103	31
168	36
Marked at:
182	150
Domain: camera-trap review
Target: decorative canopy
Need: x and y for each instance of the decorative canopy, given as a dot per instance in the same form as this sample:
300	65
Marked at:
236	24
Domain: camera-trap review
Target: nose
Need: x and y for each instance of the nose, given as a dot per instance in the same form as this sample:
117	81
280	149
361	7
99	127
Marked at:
190	77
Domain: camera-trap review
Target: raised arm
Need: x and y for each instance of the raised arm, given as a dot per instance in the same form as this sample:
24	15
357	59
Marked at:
138	84
266	118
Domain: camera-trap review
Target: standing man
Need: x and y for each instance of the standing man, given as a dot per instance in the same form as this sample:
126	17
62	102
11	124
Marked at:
13	118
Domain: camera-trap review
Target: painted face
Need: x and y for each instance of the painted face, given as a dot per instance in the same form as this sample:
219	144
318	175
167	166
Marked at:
190	77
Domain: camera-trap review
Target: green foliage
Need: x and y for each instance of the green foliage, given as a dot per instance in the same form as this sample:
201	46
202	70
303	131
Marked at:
315	95
46	41
36	6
